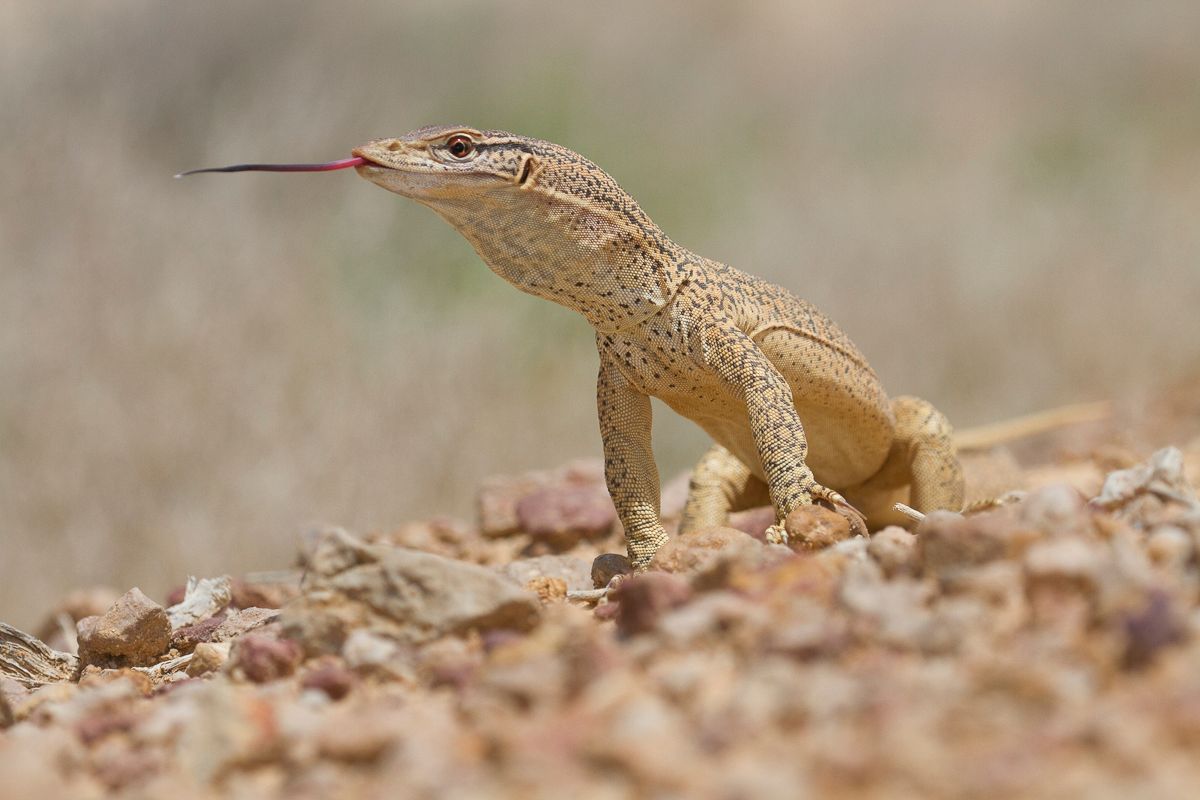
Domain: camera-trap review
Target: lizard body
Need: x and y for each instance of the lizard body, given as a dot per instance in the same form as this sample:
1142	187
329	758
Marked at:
793	407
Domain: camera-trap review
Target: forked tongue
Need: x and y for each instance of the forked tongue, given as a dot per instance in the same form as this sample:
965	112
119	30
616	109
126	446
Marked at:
345	163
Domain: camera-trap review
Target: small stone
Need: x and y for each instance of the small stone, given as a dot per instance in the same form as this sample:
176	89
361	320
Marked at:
243	621
450	662
754	521
75	606
126	768
561	516
186	638
644	598
699	551
228	729
329	550
548	589
496	503
895	550
265	590
130	680
947	541
572	570
261	658
1170	546
606	566
6	712
208	657
331	677
1072	560
370	652
814	527
104	722
1162	472
1147	631
135	631
222	628
1056	510
361	739
404	594
202	598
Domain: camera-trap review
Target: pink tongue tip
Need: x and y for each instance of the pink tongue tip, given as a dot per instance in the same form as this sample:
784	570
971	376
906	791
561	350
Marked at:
345	163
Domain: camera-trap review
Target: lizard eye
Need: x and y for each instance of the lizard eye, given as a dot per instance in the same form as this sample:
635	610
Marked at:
460	146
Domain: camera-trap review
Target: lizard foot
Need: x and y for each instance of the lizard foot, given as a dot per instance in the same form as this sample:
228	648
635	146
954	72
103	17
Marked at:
776	534
608	570
835	502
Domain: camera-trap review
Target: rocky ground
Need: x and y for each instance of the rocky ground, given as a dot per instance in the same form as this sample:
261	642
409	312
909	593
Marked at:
1050	647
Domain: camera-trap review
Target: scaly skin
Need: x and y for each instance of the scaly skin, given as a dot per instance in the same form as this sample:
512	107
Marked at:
791	404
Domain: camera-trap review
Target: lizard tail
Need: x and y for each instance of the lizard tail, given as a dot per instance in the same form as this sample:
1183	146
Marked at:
986	436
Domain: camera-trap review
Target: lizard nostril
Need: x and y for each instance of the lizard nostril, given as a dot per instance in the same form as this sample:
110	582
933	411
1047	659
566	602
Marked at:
394	146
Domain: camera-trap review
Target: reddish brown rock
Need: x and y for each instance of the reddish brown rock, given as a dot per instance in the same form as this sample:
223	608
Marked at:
186	638
947	541
223	628
753	521
561	516
496	503
260	658
134	631
1150	629
91	602
108	721
330	676
265	590
131	681
895	550
643	598
814	527
700	551
499	496
548	589
360	739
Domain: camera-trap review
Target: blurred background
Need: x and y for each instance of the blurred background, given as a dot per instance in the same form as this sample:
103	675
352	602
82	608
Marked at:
998	201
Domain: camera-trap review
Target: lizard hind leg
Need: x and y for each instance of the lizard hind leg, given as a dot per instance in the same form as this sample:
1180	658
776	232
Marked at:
921	469
720	483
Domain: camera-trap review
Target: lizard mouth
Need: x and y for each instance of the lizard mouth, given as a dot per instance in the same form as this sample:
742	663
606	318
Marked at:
366	159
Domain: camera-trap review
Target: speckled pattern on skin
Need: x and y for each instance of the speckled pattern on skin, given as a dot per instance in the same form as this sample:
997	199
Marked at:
790	403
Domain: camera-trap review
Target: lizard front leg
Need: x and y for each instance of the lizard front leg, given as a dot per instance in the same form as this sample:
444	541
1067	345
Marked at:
774	423
629	468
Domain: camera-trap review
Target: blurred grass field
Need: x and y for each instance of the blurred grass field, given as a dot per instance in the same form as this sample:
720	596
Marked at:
999	202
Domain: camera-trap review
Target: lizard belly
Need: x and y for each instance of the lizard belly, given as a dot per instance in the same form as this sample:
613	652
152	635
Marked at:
846	415
847	423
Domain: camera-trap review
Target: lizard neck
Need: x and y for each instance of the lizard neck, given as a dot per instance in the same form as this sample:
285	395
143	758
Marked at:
616	268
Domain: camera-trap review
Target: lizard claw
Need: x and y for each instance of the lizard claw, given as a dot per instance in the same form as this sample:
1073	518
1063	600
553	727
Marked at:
835	502
777	534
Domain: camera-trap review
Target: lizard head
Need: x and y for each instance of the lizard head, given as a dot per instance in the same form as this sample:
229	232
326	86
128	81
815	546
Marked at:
442	164
543	217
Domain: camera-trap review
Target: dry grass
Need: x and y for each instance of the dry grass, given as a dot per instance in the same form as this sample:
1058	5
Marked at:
998	202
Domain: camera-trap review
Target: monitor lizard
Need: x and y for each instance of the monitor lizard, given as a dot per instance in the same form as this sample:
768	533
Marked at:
795	412
794	409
